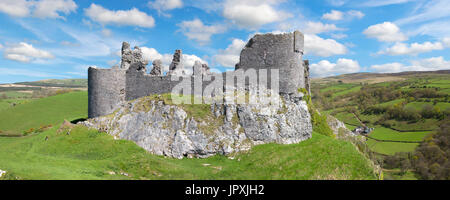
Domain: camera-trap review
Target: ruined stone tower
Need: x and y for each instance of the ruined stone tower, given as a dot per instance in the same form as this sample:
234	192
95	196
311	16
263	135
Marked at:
107	88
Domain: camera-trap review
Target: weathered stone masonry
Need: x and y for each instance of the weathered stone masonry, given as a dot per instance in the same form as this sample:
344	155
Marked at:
108	88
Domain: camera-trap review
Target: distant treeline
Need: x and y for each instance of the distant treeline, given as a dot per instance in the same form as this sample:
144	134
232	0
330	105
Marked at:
41	84
431	160
6	89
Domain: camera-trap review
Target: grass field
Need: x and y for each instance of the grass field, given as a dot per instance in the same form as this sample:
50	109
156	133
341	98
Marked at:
46	111
8	103
382	133
15	94
88	154
397	130
390	148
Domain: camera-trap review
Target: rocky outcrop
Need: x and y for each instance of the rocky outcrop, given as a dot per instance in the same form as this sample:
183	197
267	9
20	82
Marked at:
338	127
163	128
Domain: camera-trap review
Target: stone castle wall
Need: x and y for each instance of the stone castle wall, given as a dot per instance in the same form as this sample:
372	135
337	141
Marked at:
107	88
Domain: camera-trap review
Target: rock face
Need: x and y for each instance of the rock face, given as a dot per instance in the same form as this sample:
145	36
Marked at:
172	130
338	127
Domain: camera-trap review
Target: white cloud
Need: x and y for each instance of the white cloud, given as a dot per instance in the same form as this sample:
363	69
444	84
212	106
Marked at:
15	8
446	42
413	49
378	3
87	44
429	64
151	54
318	46
24	52
385	32
196	30
431	10
251	14
164	5
434	63
50	8
338	35
389	67
356	13
112	62
336	15
326	68
319	27
333	15
106	32
437	29
230	56
132	17
41	9
337	2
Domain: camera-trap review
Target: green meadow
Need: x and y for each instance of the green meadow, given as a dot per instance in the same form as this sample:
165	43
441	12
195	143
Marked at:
88	154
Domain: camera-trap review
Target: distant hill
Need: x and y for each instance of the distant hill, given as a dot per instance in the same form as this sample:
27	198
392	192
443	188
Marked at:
66	83
368	77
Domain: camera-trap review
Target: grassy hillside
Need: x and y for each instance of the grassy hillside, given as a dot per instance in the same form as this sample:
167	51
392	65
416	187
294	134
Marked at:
403	108
406	109
70	83
88	154
46	111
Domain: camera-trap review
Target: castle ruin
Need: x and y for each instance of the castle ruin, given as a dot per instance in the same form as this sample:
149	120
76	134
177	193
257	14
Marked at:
108	88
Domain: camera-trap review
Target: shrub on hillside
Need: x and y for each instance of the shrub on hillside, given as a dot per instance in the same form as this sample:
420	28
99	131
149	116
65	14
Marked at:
432	158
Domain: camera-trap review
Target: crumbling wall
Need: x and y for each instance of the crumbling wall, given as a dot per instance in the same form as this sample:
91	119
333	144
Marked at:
277	51
109	87
306	74
139	84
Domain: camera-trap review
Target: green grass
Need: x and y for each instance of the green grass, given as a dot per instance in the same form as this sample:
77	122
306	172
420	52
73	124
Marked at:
390	148
391	103
419	105
8	103
58	83
339	87
348	118
51	110
346	91
382	133
424	124
16	94
87	154
395	174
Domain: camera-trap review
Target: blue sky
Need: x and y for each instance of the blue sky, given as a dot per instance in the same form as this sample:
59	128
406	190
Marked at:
43	39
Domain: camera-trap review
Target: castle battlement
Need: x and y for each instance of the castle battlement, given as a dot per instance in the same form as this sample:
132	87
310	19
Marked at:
108	88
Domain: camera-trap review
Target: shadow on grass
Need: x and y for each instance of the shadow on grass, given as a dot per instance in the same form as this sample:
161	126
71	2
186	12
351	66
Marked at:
75	121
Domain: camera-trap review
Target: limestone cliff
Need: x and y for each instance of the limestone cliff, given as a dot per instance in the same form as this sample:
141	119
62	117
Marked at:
163	128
